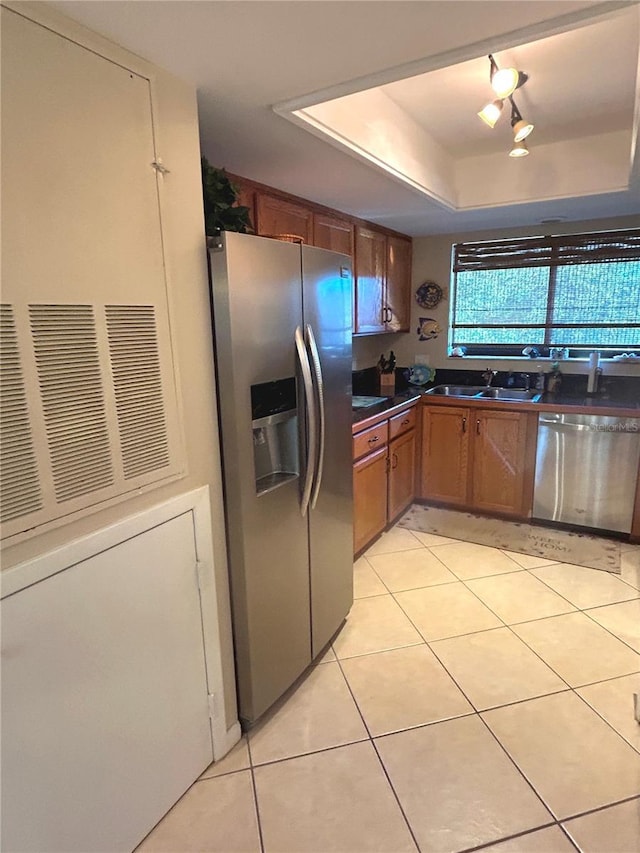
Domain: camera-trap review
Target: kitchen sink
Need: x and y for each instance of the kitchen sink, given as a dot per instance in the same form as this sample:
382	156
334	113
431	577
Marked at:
511	394
456	390
482	392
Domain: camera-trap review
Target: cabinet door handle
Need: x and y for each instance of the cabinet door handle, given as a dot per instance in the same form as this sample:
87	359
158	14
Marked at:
478	427
395	461
464	425
374	439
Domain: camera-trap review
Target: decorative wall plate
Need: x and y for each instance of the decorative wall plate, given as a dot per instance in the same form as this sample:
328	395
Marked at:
429	294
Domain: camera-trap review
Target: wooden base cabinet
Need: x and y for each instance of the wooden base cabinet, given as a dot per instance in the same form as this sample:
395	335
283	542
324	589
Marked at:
478	458
402	466
369	497
445	454
499	460
383	475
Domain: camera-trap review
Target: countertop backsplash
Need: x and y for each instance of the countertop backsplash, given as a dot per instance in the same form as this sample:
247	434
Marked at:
619	388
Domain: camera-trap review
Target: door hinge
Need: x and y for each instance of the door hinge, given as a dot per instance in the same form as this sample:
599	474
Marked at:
202	575
159	166
213	706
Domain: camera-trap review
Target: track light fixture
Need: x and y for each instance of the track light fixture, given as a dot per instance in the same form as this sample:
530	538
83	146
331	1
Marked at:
491	113
519	149
521	128
504	82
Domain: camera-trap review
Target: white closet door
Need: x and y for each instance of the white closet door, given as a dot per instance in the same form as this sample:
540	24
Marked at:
88	392
105	713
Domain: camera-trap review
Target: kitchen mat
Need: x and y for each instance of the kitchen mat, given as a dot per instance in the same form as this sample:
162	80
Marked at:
581	549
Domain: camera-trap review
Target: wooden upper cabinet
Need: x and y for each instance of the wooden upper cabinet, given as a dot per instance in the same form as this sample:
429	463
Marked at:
398	290
371	251
332	232
276	217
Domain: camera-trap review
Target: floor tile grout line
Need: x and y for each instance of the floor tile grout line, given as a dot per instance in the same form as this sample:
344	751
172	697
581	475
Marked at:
602	808
568	837
515	634
255	796
549	587
479	711
519	769
604	719
466	634
479	848
577	606
375	749
557	616
608	630
612	603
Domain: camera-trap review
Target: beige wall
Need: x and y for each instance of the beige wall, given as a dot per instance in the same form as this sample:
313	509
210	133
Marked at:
432	261
176	124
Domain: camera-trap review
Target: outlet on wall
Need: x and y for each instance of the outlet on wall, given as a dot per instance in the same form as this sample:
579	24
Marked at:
421	358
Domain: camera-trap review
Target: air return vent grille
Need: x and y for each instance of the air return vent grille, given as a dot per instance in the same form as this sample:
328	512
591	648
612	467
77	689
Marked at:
88	407
137	381
68	364
20	489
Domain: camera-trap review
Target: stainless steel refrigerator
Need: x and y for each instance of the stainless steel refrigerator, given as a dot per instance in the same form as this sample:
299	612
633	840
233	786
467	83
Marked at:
282	337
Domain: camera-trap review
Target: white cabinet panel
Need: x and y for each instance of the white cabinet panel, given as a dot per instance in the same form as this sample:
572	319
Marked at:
105	713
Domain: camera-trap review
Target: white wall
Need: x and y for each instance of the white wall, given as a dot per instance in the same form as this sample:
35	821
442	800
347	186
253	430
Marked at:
432	261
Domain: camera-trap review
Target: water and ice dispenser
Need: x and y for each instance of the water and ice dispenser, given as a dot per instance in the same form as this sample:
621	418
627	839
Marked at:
274	420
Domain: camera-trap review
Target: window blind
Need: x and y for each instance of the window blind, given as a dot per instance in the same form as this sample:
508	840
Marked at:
602	247
580	290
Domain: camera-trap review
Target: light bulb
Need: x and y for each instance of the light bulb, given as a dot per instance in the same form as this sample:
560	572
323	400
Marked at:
491	113
519	149
521	129
505	81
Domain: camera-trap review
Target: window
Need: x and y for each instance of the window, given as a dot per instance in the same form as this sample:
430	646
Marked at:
578	291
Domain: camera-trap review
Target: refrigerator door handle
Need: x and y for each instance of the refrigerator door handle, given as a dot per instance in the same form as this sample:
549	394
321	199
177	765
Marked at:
305	368
317	368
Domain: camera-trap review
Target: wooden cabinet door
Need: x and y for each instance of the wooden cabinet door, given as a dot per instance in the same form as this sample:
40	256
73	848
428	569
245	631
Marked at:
398	289
402	458
371	249
499	460
445	454
275	217
332	232
369	498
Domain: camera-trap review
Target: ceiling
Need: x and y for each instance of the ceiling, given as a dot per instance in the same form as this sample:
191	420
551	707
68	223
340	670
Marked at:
246	57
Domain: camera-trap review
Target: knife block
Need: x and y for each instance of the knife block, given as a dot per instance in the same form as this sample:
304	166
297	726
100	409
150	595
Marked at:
387	383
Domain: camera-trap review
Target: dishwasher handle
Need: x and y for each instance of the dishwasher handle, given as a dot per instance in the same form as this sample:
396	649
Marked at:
621	427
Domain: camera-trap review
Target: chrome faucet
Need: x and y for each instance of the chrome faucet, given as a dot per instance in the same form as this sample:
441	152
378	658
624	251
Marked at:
488	376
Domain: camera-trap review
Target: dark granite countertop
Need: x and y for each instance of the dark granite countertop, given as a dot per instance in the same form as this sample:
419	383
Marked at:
390	402
621	395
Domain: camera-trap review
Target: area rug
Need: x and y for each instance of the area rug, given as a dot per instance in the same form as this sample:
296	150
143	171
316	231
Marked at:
581	549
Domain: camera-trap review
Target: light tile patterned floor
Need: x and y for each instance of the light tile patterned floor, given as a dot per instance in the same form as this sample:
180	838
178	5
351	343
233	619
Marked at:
474	700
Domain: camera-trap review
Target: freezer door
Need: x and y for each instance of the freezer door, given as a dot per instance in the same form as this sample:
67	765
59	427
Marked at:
257	305
327	299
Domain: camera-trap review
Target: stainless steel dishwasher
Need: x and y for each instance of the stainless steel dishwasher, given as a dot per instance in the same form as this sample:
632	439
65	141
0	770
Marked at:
586	470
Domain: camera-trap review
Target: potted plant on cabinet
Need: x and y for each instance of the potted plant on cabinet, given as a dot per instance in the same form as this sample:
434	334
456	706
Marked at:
221	210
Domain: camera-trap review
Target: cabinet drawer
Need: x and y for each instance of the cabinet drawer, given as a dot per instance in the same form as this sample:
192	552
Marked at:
370	439
402	422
